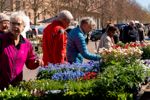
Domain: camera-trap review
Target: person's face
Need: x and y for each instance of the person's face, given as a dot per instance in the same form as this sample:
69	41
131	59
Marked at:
132	24
4	25
66	22
88	27
112	33
16	26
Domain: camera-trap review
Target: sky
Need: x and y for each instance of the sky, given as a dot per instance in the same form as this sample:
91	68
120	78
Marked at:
144	3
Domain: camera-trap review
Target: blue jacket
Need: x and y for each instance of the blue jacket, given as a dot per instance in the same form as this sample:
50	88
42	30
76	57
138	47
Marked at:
77	48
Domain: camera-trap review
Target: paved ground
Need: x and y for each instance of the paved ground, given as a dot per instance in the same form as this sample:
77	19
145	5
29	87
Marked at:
31	74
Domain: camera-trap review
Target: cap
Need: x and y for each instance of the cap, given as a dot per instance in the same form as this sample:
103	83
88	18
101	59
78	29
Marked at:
4	17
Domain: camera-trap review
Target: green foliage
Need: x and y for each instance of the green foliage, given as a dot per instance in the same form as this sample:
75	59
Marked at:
114	82
116	79
45	74
79	87
146	52
75	86
81	90
42	85
69	89
121	44
15	94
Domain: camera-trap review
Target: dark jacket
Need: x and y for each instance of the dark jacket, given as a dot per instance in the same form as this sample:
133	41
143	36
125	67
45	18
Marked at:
130	34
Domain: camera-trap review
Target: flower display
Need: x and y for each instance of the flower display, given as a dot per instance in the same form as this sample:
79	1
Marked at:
146	62
129	45
127	55
68	71
89	75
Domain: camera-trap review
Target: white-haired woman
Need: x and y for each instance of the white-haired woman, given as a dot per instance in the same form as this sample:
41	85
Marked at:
76	45
15	51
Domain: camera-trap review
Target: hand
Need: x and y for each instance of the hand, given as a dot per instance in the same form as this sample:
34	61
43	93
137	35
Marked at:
39	62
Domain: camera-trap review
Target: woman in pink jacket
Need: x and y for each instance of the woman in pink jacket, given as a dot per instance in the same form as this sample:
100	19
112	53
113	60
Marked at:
15	51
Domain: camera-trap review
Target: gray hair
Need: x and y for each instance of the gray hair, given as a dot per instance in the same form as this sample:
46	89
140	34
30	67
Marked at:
20	14
87	20
65	14
25	19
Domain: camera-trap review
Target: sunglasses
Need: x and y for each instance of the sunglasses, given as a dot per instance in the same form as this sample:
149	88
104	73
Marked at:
15	23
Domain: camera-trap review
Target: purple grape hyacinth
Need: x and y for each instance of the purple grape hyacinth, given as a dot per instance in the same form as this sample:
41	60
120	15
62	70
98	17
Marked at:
69	71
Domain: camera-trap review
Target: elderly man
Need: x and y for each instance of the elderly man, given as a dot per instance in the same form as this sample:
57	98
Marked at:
15	51
55	39
130	33
76	45
4	23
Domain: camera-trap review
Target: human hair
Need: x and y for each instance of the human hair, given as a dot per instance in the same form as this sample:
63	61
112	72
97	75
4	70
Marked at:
20	14
108	25
87	20
111	28
65	14
25	19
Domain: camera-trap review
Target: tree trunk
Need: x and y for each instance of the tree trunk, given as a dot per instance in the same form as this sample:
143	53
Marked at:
35	17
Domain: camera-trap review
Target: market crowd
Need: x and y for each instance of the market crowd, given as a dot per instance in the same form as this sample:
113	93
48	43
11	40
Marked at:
59	45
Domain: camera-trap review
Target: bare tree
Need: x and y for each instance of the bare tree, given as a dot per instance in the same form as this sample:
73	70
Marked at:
38	7
2	6
106	10
6	5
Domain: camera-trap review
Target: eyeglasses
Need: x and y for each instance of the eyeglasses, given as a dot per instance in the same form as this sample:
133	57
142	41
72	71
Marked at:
15	23
4	22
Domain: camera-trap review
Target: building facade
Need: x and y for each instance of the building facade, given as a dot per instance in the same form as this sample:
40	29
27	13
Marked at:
38	10
32	8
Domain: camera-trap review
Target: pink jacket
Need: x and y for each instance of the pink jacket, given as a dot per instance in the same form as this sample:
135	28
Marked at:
13	58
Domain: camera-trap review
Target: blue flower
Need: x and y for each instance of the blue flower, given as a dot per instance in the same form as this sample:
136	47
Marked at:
69	71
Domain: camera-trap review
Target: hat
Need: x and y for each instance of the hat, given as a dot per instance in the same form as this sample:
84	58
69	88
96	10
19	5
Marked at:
4	17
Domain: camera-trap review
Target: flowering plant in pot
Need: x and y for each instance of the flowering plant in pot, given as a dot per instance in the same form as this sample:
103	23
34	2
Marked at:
68	71
122	55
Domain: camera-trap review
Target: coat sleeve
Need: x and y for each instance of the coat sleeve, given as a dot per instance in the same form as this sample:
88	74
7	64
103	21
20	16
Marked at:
45	46
1	50
31	57
3	38
62	42
82	47
107	43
